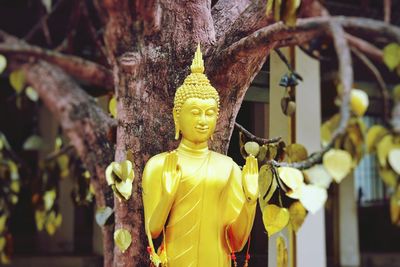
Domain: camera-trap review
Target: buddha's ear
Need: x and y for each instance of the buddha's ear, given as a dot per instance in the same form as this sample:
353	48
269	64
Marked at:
176	122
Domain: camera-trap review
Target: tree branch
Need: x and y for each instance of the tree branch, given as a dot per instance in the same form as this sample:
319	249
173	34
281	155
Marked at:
381	83
279	35
77	67
255	138
90	130
365	47
225	12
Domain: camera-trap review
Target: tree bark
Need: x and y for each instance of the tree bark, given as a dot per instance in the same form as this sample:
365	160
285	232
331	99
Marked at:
89	129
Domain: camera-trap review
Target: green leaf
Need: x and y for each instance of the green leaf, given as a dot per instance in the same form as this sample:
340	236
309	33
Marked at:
34	142
17	80
122	239
31	94
102	215
391	55
3	219
3	63
112	106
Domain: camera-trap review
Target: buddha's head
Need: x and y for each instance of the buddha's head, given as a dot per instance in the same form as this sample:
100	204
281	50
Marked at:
196	105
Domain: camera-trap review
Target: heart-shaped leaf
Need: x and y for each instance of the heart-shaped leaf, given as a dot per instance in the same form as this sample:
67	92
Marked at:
122	169
252	148
317	175
34	142
359	102
102	215
394	159
337	163
3	63
297	215
124	188
275	218
267	185
122	239
374	135
17	80
292	177
313	197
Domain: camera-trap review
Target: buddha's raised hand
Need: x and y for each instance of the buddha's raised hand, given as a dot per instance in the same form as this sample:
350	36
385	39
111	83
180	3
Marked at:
250	179
171	174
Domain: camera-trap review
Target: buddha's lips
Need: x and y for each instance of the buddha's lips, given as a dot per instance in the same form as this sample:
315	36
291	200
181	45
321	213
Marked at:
202	129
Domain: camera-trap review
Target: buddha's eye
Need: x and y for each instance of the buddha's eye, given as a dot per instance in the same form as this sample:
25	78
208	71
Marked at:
210	112
195	111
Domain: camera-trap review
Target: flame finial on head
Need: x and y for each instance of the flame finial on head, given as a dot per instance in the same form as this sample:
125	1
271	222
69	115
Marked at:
198	63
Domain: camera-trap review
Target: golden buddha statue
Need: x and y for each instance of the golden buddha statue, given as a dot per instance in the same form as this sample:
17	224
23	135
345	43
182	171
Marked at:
199	199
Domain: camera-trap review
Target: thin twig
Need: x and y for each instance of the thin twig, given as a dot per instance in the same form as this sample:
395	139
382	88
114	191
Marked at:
42	20
387	10
58	153
382	85
284	59
256	138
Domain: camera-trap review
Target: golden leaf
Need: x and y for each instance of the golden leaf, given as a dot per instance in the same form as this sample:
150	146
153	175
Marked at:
34	142
125	188
374	135
313	197
122	239
31	94
317	175
358	102
15	186
396	91
296	152
49	197
110	176
112	106
337	163
289	16
3	63
391	55
383	147
275	218
267	185
252	148
40	218
4	258
123	169
262	154
297	215
292	177
2	243
277	10
395	207
394	159
270	5
63	164
3	220
282	253
388	176
17	80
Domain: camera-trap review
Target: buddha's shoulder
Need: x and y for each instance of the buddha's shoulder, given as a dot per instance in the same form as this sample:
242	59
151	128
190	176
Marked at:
221	158
156	161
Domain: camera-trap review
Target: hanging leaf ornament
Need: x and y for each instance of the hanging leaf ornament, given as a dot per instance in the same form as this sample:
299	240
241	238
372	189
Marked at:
275	218
391	55
338	163
120	176
252	148
3	63
297	215
394	159
267	185
313	197
359	102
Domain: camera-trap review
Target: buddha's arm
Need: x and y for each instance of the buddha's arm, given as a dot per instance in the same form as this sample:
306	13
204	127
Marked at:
238	231
159	183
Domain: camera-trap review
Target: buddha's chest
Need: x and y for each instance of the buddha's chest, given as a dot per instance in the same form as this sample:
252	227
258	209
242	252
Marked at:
202	179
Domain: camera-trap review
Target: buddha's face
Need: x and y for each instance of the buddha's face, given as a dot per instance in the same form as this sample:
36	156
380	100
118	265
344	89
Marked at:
197	119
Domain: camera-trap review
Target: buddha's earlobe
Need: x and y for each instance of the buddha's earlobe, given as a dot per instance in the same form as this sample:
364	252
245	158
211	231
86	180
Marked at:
176	131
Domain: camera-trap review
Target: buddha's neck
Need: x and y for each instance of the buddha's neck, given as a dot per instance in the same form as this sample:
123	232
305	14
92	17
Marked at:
193	149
